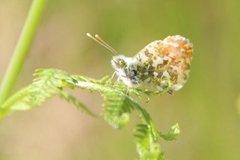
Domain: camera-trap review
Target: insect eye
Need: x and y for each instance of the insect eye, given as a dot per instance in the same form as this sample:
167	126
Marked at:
121	63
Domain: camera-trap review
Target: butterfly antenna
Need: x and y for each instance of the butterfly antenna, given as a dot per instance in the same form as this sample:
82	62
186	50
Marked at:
99	40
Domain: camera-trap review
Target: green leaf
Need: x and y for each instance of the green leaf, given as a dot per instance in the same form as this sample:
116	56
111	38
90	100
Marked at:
117	107
172	133
46	84
72	99
148	146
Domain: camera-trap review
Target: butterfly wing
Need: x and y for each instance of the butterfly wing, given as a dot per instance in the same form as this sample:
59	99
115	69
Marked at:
166	61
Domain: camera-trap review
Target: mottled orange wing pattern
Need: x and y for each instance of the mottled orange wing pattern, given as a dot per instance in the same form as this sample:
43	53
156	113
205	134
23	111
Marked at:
159	65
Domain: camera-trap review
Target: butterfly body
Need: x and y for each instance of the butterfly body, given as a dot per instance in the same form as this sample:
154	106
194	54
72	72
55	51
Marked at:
160	65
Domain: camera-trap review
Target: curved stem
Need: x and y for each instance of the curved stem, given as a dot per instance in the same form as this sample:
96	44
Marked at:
22	48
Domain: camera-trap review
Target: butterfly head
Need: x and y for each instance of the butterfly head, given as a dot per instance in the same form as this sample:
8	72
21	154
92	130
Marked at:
126	69
120	62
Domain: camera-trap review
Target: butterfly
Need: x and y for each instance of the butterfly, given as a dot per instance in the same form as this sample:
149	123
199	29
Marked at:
162	65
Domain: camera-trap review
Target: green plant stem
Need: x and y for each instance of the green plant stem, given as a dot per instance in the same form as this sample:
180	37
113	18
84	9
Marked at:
22	48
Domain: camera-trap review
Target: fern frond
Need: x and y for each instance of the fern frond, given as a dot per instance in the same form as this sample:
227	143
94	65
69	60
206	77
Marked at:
46	84
118	104
72	99
116	109
148	146
172	133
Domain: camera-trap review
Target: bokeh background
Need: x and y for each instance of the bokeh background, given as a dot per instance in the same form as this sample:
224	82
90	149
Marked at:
207	108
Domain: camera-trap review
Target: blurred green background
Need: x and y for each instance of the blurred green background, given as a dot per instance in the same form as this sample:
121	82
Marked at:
207	108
